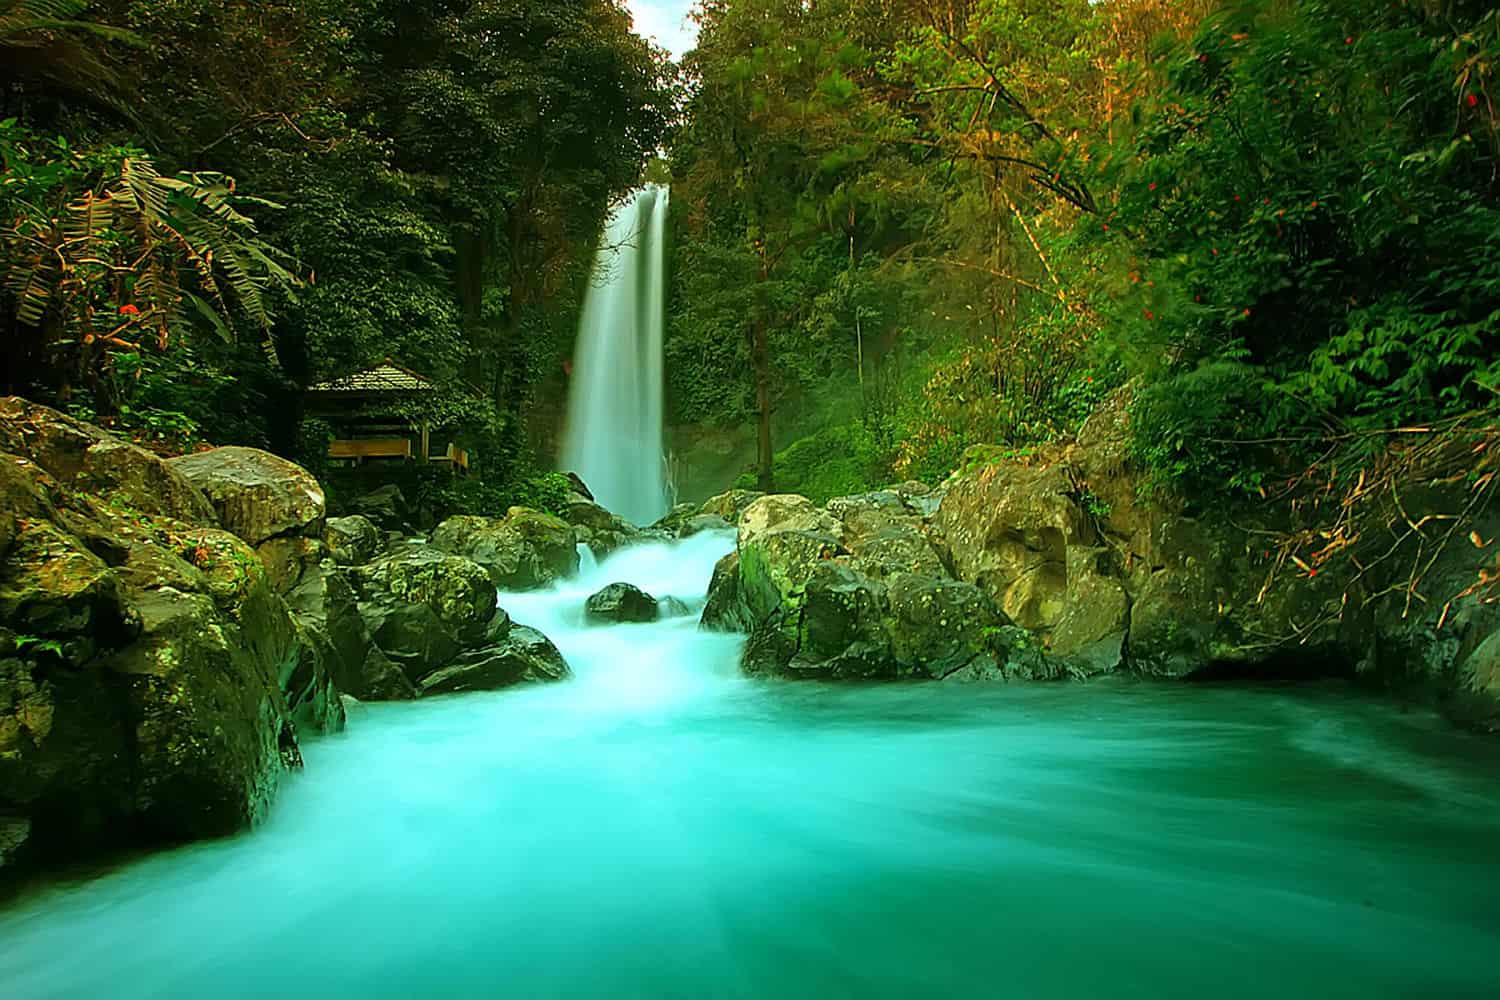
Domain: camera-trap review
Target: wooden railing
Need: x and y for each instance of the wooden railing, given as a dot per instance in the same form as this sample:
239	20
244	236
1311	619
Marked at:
362	448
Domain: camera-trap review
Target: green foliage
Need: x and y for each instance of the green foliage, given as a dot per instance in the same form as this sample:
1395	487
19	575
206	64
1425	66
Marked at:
449	496
101	256
837	461
1311	204
34	644
439	172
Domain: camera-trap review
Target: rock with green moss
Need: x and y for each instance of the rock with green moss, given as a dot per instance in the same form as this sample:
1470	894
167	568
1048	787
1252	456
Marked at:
524	550
434	614
352	540
257	495
143	653
457	590
81	457
523	656
937	626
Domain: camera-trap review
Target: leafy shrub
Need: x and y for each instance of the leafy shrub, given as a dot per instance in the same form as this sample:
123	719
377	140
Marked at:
1310	199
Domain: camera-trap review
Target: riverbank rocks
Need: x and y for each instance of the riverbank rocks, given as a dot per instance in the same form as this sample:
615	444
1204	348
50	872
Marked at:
524	550
1050	564
524	655
352	540
852	591
621	602
602	531
151	686
433	613
731	505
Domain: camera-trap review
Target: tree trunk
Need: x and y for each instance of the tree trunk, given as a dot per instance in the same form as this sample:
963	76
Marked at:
760	359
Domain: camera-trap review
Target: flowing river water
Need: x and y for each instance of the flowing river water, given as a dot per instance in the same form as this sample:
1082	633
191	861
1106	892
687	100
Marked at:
661	827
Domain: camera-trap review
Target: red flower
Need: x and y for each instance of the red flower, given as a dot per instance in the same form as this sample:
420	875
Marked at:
1151	186
1311	573
1203	59
1106	227
129	310
1215	251
1150	315
1349	40
1247	313
1236	197
1473	101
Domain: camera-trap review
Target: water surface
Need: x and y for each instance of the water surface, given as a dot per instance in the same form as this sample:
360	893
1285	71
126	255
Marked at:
660	827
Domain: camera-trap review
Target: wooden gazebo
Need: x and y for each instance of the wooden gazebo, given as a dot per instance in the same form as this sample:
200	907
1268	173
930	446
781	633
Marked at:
361	408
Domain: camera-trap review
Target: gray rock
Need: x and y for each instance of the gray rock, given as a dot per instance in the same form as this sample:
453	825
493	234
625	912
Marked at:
257	495
621	602
353	540
524	550
525	655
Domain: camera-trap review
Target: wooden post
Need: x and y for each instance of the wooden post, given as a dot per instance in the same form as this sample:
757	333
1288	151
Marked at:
426	434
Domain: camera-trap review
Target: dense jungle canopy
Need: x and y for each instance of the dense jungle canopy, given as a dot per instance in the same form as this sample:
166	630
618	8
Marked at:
901	228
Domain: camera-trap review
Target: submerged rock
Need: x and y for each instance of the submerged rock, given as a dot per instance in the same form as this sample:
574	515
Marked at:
621	602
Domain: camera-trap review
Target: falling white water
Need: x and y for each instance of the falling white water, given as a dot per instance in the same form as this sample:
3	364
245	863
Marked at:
613	436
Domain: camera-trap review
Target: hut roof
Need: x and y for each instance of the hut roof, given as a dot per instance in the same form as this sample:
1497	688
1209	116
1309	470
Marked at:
384	377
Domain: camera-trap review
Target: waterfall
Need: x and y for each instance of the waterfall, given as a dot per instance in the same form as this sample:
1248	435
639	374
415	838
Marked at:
613	437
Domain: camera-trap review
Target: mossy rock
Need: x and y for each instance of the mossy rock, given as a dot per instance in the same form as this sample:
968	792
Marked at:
257	495
524	550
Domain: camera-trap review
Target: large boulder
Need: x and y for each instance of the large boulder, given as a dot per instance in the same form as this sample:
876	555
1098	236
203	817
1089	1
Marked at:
731	505
141	660
82	457
327	610
524	550
257	495
524	655
781	512
621	602
434	615
855	591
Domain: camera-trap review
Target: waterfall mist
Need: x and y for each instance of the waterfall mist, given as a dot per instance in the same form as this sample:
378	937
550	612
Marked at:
613	437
